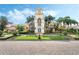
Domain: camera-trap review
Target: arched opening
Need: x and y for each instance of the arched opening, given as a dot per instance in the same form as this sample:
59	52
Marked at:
39	29
39	21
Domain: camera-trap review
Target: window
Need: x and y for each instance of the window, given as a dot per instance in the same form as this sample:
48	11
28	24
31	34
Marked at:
39	22
39	29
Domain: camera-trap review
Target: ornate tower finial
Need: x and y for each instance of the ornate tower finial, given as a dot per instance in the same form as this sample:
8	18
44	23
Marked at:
39	11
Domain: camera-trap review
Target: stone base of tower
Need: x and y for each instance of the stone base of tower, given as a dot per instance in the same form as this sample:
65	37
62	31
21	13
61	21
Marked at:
39	34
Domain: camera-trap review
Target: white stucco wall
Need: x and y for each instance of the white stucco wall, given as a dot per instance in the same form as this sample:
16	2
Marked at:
36	23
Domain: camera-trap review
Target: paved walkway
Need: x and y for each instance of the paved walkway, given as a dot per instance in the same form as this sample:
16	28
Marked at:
39	47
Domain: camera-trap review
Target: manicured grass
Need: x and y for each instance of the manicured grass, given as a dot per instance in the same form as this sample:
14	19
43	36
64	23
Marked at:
26	38
42	37
58	37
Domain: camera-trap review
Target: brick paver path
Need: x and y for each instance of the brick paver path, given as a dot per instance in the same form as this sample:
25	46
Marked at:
39	47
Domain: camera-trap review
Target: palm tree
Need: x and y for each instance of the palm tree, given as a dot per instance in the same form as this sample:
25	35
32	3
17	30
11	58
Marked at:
3	22
67	21
30	18
60	19
49	18
74	22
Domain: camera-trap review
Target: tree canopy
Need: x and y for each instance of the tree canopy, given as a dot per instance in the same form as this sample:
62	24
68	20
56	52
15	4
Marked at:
49	18
30	18
3	22
67	20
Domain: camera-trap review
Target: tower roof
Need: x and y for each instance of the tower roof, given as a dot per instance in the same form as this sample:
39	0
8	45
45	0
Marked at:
39	11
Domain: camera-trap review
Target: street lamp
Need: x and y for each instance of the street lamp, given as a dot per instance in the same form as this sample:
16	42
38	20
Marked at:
39	37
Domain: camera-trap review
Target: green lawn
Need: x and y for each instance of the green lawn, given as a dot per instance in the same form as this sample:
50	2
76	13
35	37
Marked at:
26	38
42	38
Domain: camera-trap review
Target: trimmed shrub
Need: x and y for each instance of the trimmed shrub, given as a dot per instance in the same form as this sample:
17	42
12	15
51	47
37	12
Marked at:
72	31
65	33
14	33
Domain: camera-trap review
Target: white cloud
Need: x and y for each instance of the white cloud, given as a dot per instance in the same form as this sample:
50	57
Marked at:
19	16
28	12
16	14
2	14
50	12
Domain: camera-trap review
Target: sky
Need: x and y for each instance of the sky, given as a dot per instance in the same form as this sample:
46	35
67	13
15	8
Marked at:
17	13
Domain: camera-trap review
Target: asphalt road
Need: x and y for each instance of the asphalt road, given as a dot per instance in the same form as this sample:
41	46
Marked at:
39	47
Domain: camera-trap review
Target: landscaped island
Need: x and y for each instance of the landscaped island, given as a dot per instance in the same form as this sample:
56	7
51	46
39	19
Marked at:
34	38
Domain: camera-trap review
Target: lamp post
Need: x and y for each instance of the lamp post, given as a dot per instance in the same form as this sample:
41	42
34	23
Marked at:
39	37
